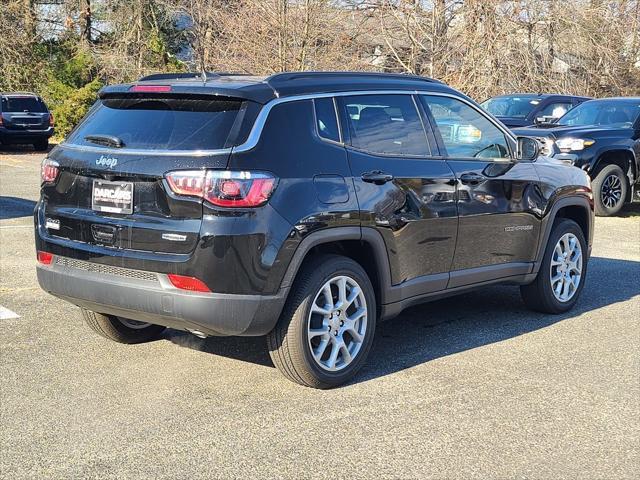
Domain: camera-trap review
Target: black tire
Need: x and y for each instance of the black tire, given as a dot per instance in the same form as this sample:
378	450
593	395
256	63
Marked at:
539	295
602	190
113	328
41	145
289	344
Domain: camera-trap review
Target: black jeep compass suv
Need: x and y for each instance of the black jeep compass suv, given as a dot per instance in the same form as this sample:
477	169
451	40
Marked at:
306	207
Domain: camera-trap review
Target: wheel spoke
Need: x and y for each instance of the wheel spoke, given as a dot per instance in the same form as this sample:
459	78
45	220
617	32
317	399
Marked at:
346	354
333	357
328	296
322	346
342	292
316	332
321	310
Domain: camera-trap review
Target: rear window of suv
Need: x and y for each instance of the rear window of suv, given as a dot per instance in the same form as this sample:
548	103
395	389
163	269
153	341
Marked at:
164	123
23	104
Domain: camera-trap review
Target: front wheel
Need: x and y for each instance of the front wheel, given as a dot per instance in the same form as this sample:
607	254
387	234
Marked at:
609	190
561	276
121	330
326	329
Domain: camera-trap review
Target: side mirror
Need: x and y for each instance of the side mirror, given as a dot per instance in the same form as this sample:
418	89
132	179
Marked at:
528	149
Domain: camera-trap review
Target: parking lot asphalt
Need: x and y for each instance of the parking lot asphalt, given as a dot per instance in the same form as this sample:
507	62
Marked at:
474	386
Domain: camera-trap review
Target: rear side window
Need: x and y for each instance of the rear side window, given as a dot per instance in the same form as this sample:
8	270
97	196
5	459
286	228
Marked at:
23	104
386	124
164	123
326	120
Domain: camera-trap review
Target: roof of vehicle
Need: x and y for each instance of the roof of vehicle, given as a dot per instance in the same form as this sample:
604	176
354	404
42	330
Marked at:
539	95
18	94
261	89
615	99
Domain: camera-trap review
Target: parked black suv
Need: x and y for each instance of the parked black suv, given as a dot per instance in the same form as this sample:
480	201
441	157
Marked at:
522	109
602	137
24	118
303	206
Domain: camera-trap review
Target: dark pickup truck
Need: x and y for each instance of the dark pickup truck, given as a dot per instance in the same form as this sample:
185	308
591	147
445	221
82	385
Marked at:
602	137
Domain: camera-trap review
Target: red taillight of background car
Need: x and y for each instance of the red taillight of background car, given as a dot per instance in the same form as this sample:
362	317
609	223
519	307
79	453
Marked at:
45	258
224	188
49	171
191	284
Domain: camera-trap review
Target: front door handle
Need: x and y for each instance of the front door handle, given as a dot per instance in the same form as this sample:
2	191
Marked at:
377	177
472	178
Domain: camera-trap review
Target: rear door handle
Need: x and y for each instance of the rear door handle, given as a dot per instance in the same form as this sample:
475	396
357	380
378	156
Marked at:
377	177
472	178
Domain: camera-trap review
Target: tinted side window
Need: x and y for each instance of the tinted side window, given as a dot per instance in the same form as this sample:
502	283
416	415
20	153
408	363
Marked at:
465	132
326	120
385	124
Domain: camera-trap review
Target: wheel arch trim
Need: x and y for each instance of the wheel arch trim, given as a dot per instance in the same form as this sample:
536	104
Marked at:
337	234
569	201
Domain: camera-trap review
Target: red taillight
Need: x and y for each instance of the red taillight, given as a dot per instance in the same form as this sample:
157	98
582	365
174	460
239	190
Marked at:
188	283
150	88
51	120
1	120
224	188
49	171
45	258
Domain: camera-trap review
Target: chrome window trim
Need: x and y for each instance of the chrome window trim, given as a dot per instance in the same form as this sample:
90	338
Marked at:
256	130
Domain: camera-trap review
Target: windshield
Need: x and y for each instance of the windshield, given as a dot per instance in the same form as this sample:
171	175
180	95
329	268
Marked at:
162	123
23	104
518	106
620	113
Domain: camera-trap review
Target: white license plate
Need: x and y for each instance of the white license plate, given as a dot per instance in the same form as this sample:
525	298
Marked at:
112	197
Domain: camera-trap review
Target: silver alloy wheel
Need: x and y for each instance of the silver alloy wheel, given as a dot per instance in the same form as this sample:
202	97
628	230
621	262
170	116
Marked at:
337	323
566	267
611	191
133	324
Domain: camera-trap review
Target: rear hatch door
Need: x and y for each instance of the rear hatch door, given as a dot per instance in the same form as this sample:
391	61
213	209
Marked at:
117	196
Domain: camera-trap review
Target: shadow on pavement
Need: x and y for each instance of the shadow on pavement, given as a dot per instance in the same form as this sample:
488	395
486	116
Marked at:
14	207
450	326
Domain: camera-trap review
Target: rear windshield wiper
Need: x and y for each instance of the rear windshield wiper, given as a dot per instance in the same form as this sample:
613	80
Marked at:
106	140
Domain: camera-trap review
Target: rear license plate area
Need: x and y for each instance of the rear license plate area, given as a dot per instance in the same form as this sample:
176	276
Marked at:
112	197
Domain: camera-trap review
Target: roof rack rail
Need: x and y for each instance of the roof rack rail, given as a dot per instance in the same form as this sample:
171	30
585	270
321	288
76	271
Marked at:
180	75
287	76
175	76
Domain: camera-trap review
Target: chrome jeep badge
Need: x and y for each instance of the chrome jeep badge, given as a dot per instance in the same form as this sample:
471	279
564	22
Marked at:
107	161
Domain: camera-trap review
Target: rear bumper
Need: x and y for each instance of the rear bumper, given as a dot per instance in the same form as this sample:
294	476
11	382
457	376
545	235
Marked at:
150	297
10	135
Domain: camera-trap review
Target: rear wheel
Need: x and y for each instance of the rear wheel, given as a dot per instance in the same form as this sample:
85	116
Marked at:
326	329
561	277
121	330
609	190
41	145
